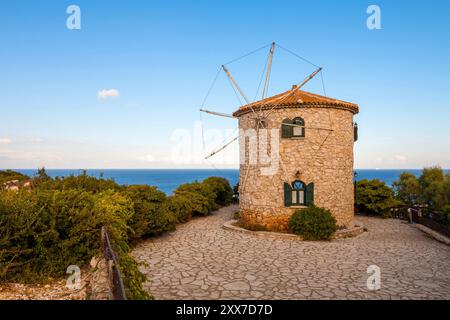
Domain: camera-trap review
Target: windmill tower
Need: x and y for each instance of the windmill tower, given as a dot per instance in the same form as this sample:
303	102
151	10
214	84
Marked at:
296	150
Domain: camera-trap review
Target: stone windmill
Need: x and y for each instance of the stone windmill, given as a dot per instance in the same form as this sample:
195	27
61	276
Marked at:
296	150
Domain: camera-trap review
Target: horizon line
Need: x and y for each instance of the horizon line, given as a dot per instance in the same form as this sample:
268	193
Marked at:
218	168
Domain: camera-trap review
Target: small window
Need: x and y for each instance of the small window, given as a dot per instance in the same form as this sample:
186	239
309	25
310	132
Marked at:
287	128
298	193
299	127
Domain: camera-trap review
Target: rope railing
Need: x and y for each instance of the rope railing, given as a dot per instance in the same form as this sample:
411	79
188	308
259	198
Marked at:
118	288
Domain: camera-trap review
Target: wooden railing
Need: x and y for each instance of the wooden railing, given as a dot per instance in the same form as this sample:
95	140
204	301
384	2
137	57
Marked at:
430	223
118	289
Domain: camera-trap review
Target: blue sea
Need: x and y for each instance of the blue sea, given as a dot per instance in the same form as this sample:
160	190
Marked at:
168	180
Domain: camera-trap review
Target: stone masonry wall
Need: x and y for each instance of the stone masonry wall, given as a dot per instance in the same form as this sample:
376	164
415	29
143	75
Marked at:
322	157
101	282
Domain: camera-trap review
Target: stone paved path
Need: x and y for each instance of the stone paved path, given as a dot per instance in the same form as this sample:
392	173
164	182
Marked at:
53	290
200	260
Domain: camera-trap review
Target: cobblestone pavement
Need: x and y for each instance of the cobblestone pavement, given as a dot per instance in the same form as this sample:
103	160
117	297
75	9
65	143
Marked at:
200	260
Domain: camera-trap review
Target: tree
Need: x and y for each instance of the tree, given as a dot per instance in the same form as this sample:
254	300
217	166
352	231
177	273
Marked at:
433	185
375	197
42	178
446	215
407	188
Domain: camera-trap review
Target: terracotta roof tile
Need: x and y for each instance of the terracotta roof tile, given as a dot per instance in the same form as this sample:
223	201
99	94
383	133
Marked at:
293	98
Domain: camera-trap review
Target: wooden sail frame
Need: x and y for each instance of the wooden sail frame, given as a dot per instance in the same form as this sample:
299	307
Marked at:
262	114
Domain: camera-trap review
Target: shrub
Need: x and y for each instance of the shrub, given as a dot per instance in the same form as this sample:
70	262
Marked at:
57	223
193	199
79	182
26	238
42	232
313	223
180	206
151	215
222	189
199	205
201	197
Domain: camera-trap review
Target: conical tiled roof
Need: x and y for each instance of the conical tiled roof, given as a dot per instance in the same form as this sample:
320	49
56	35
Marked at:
296	98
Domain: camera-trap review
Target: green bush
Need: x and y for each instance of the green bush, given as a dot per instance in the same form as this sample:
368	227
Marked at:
151	215
26	238
180	206
42	232
200	196
199	205
57	222
313	223
222	189
78	182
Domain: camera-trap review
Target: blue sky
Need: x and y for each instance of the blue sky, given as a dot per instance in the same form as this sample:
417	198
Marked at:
161	56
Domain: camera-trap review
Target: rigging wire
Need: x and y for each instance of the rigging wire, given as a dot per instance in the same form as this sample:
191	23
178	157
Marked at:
227	138
235	93
262	76
211	87
259	86
247	54
221	148
203	134
323	83
298	56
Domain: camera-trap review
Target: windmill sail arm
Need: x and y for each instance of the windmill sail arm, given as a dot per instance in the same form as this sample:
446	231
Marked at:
221	148
301	84
269	67
217	113
235	84
306	127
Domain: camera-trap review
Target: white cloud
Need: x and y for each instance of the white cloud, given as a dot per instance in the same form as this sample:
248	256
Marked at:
36	140
5	140
108	93
148	158
400	158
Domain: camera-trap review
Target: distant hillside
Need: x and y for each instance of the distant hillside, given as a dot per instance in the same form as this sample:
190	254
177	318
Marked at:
9	175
